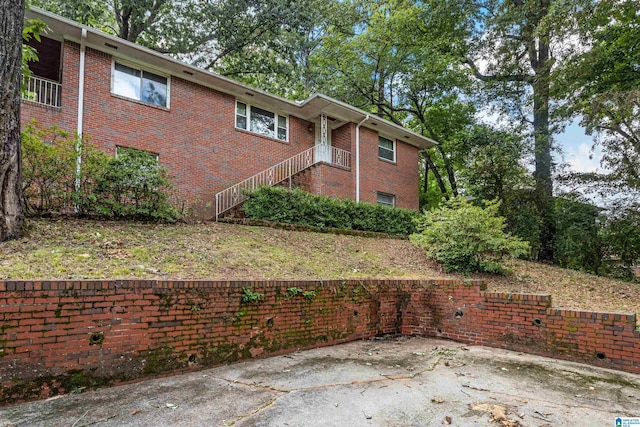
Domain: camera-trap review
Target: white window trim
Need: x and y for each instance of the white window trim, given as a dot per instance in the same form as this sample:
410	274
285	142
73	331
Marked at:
395	145
140	68
381	193
248	121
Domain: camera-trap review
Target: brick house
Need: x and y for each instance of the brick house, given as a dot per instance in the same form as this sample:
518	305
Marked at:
215	136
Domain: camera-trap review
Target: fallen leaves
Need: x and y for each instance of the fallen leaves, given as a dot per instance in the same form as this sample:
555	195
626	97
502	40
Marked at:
497	414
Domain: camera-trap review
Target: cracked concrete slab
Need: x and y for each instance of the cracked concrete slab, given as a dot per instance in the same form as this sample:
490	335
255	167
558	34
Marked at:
382	382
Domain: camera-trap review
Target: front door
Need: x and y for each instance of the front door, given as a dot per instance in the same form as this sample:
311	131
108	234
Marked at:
323	140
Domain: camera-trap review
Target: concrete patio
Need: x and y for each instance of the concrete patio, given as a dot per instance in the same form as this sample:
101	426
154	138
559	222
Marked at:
382	382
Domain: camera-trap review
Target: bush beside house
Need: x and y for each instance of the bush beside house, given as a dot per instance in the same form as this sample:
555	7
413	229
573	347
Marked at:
131	186
299	207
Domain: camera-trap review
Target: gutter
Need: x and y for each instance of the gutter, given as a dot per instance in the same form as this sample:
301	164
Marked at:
79	129
147	57
358	157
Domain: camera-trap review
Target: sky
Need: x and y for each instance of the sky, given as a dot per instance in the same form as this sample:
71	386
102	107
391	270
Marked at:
577	149
575	146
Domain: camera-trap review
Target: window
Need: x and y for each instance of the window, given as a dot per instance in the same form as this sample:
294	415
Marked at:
386	149
136	152
264	122
138	168
140	85
386	199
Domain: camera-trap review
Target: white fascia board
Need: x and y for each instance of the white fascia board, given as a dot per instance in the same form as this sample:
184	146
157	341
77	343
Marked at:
309	109
381	125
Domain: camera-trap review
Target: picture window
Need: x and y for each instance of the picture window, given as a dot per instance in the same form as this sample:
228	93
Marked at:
261	121
140	85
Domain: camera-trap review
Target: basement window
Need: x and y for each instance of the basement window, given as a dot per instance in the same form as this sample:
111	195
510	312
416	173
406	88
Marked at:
148	164
140	85
386	199
129	151
261	121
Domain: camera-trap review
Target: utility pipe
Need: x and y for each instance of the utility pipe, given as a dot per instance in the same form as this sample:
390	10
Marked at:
358	157
83	40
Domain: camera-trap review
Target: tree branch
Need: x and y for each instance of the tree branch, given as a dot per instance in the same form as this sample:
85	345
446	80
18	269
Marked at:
496	78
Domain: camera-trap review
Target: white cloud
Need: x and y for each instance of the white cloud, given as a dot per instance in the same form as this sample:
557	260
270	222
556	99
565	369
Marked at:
582	158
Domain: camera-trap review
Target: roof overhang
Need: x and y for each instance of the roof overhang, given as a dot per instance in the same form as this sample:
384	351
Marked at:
309	109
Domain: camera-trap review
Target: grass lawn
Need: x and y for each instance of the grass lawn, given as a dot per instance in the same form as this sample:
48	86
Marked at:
79	249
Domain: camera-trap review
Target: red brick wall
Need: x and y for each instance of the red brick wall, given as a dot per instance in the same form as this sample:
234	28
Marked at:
196	137
145	328
197	141
526	323
337	182
399	178
326	180
65	117
344	137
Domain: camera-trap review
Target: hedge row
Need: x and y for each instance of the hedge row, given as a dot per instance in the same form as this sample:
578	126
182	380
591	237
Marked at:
299	207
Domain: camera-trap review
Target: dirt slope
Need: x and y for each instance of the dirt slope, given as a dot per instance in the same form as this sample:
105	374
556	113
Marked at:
76	249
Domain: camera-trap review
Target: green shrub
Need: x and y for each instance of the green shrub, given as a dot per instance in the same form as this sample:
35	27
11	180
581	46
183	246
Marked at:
49	171
131	186
620	233
135	186
578	242
299	207
467	238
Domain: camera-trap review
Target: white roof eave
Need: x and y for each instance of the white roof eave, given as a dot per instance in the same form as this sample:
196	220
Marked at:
309	109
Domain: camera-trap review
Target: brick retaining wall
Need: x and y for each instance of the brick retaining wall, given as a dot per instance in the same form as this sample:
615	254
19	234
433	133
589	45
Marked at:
60	336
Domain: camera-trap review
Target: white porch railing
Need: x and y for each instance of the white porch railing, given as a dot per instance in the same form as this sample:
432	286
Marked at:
340	157
235	195
43	91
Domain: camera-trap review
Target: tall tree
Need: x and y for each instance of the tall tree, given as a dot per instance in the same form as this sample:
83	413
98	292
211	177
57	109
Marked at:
604	83
127	19
516	40
281	60
11	210
494	167
135	16
94	13
244	39
389	60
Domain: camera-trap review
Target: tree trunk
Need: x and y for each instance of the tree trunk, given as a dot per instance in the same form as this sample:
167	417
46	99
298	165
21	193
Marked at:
542	138
431	166
11	214
450	172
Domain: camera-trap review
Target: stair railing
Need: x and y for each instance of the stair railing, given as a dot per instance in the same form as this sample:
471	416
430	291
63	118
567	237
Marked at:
236	194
